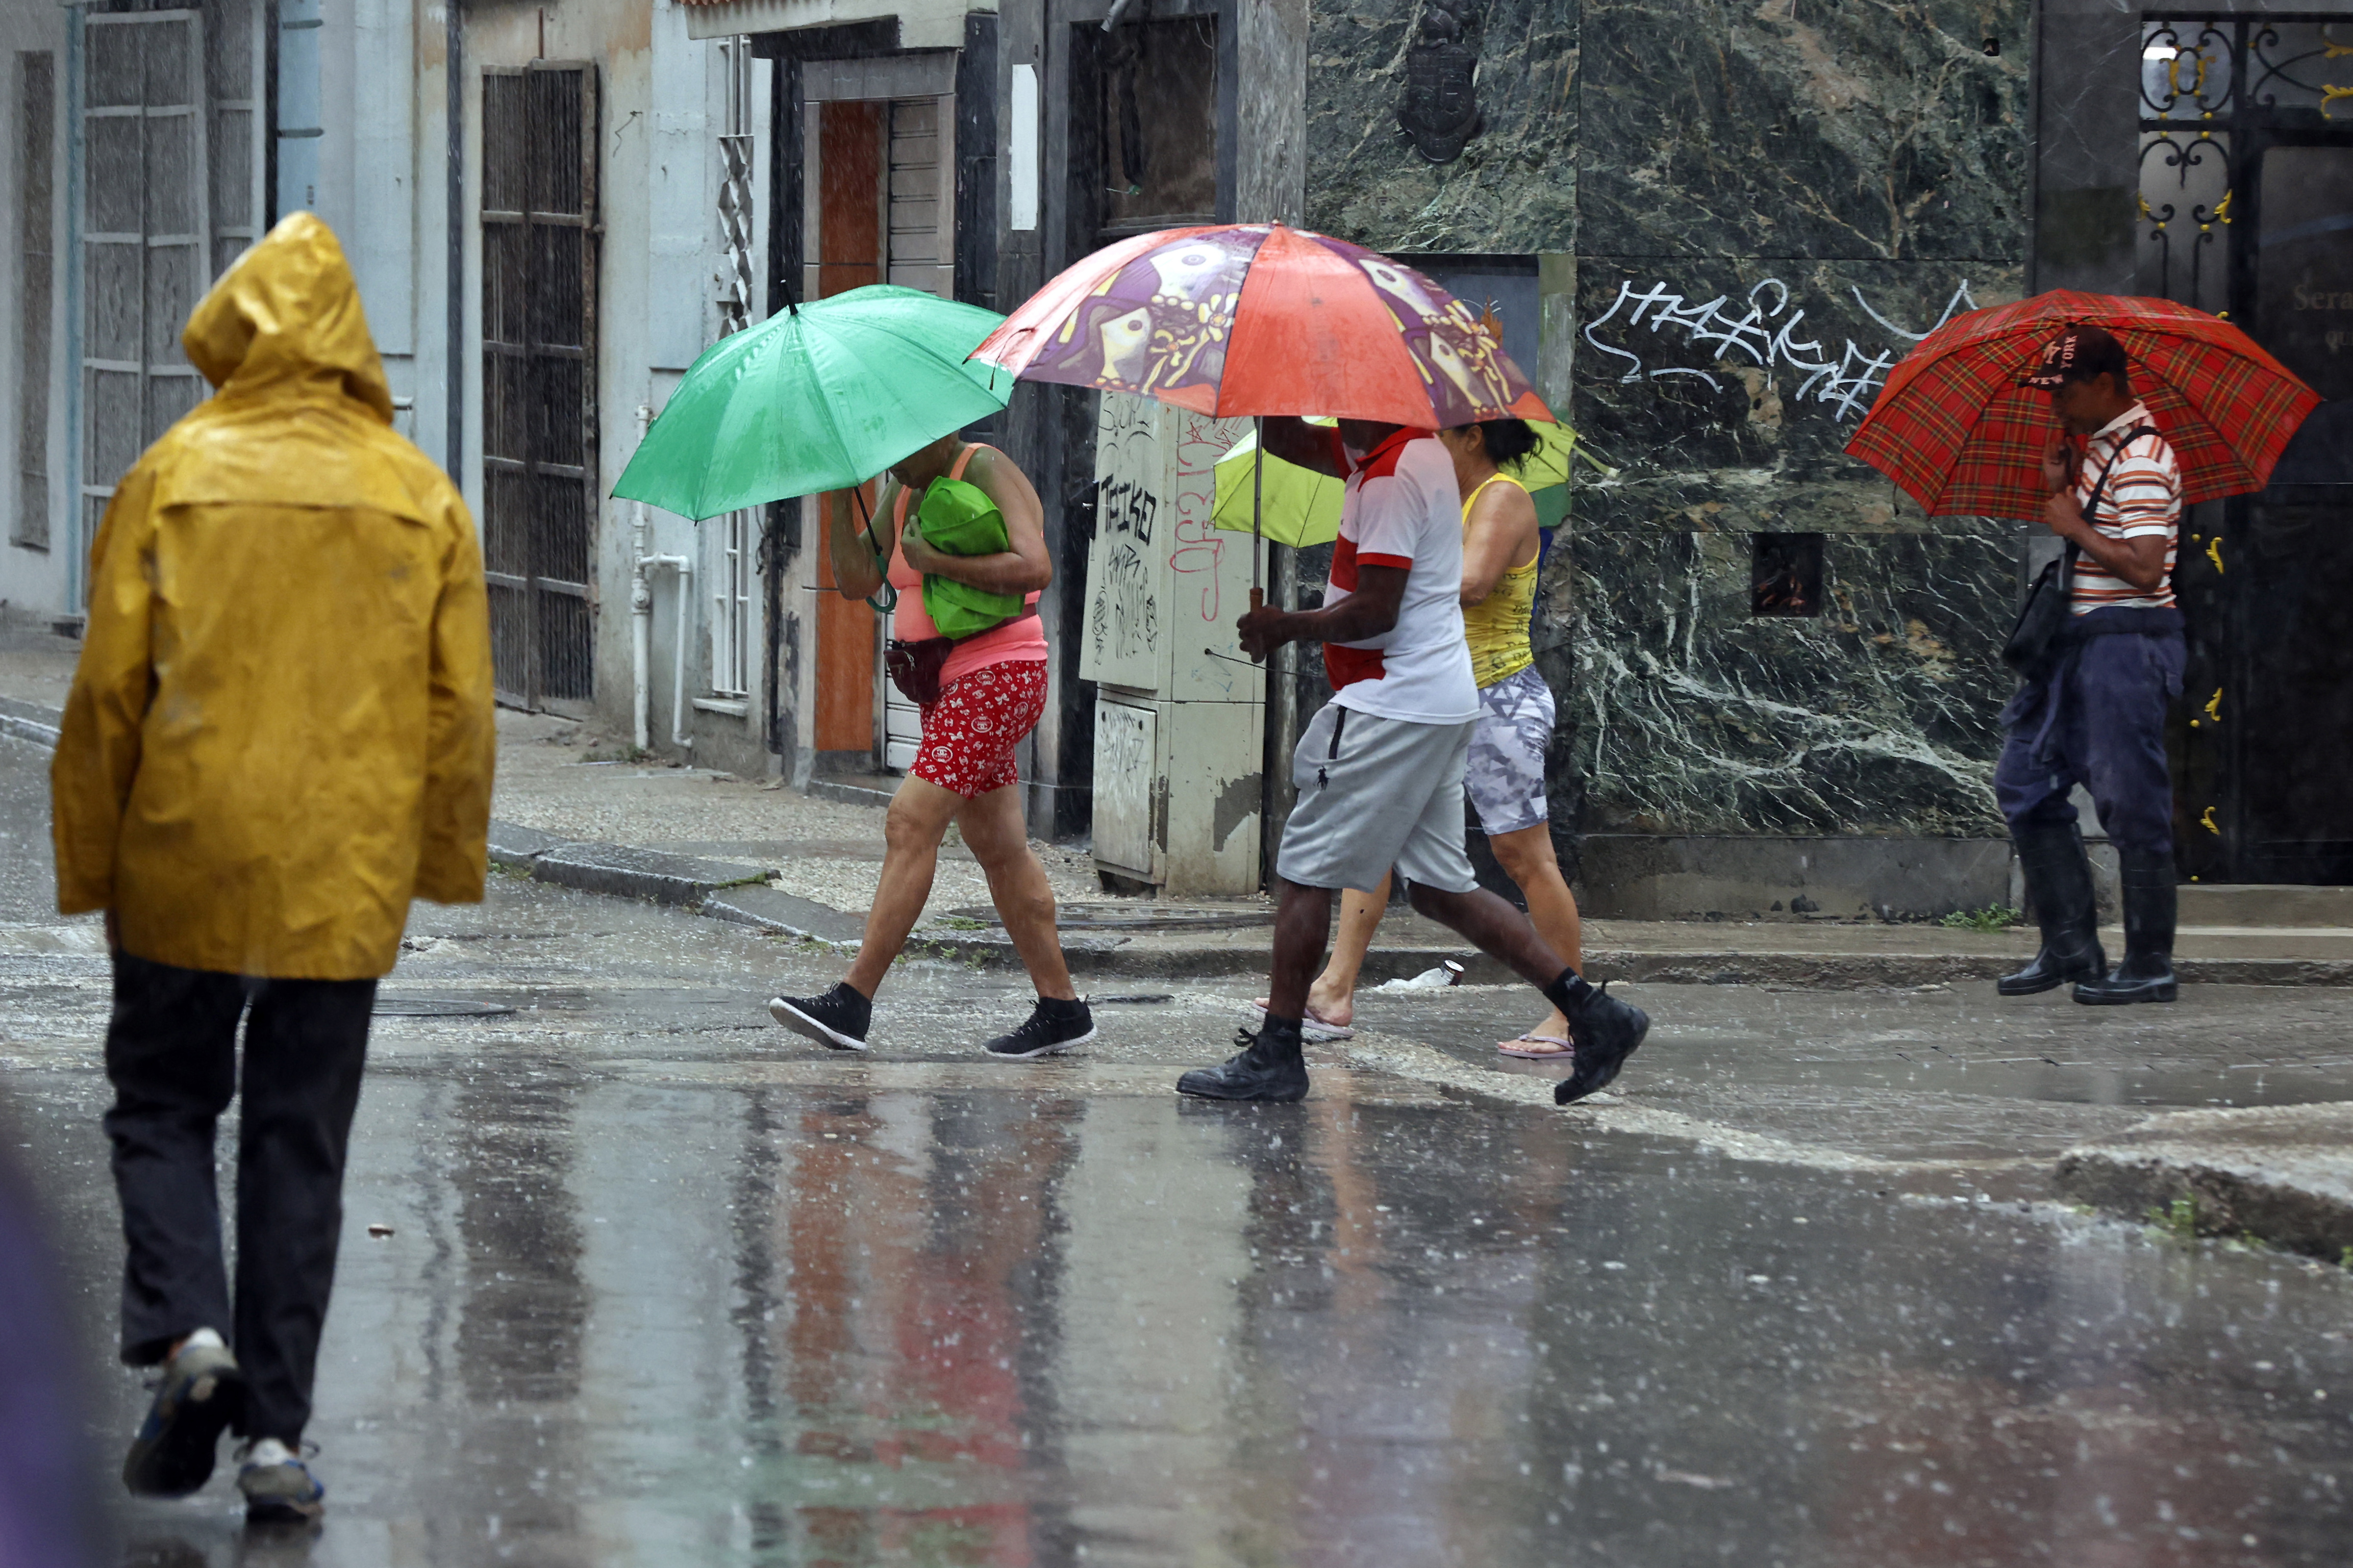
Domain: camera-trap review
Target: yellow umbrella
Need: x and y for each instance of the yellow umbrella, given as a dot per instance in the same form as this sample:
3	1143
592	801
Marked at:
1301	507
1297	506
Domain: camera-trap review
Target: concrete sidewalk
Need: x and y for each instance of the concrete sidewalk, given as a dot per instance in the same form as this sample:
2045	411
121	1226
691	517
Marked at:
573	808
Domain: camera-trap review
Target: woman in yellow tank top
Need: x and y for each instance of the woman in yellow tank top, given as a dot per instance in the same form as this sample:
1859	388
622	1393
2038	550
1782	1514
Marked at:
1504	776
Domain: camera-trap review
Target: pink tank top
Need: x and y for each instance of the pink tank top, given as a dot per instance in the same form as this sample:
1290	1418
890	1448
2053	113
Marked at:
1016	642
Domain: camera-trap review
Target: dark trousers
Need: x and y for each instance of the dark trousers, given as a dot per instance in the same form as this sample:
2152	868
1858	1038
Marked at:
171	1054
2106	732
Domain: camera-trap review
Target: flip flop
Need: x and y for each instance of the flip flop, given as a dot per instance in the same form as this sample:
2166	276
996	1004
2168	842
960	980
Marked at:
1512	1048
1314	1026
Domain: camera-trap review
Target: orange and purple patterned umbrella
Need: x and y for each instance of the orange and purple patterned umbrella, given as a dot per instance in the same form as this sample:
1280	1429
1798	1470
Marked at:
1954	429
1260	319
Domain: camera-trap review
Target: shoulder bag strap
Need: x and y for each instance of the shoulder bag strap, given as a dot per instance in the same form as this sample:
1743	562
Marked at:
2092	503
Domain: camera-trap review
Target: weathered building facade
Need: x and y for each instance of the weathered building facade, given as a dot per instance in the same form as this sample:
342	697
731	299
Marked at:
1708	230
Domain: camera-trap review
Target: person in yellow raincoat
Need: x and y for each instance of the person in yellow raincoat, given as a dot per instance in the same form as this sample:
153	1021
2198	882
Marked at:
280	733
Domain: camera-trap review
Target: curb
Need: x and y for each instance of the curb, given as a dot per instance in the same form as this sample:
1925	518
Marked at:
2279	1174
30	723
844	793
682	881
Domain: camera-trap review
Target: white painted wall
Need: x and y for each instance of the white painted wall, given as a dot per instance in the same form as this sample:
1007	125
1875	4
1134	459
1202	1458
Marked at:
33	583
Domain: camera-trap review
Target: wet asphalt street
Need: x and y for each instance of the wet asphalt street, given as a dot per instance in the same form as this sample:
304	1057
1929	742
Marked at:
663	1286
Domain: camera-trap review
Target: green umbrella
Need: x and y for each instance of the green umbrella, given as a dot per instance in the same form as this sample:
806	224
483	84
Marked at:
1301	507
818	397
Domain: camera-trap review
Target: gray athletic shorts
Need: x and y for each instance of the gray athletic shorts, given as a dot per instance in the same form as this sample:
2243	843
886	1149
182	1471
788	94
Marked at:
1506	772
1374	793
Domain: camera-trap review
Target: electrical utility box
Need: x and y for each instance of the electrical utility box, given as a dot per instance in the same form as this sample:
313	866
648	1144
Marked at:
1178	711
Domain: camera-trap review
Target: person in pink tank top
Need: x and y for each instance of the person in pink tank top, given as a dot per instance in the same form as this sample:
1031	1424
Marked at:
992	690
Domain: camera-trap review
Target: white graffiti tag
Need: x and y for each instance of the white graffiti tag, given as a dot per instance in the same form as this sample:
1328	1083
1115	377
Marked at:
1766	333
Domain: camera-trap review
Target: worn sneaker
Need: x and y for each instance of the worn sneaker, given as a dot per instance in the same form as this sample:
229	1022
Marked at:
1605	1031
1270	1067
1053	1025
279	1486
838	1020
201	1394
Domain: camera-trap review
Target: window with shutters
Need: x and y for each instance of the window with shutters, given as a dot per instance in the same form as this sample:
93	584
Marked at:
539	378
36	101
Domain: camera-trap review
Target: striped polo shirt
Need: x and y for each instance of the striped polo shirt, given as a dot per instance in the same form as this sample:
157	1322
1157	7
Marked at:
2142	499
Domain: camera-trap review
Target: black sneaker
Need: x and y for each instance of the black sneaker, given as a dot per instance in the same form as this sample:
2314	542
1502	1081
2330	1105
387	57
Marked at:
1269	1068
201	1394
1605	1031
1053	1025
838	1020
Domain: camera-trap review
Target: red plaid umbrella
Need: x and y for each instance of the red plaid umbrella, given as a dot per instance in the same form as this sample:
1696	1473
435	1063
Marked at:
1954	429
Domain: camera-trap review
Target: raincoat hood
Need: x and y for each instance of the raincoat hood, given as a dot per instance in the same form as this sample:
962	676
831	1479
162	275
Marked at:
286	317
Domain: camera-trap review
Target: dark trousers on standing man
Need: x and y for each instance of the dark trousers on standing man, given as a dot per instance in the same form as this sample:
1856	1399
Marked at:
2098	721
171	1054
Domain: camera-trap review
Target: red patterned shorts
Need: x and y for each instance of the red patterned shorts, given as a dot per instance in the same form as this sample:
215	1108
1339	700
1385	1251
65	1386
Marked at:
970	733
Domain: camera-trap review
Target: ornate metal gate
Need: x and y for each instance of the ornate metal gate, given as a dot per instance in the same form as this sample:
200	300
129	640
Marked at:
539	379
2247	210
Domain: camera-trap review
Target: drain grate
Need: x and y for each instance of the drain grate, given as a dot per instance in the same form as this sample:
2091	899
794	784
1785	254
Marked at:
437	1007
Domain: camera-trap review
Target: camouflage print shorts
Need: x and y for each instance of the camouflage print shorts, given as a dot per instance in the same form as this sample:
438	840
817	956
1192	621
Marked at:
1505	775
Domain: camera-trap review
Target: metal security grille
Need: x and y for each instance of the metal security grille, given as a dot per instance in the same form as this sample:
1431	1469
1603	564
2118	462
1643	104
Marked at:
146	225
172	194
37	99
731	626
736	161
539	377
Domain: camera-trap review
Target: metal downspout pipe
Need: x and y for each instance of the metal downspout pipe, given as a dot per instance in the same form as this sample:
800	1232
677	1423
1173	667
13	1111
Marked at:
641	625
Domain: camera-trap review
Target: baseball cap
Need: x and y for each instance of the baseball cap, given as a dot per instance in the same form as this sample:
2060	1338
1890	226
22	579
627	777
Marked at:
2077	353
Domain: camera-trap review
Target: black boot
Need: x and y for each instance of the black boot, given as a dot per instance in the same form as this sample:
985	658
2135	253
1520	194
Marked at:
1271	1066
2151	895
2059	883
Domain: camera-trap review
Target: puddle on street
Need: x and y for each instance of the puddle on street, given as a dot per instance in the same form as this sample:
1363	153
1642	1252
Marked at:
756	1322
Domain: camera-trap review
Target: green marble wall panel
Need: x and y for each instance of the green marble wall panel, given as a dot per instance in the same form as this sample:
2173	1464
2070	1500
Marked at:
1732	385
1514	190
1762	207
1685	714
1803	128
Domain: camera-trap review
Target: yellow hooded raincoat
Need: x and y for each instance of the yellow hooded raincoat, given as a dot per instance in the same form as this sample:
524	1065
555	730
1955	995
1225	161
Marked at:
280	730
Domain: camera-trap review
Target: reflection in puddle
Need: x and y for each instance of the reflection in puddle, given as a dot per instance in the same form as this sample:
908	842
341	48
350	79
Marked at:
801	1322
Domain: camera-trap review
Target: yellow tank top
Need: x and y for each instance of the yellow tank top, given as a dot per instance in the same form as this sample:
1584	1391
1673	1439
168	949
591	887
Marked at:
1497	627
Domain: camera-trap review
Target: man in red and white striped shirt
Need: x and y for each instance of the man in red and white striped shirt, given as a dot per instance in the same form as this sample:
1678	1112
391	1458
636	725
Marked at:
2098	718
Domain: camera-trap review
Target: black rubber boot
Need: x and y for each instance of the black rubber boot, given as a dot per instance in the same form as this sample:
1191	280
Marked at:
1271	1066
2059	884
2152	894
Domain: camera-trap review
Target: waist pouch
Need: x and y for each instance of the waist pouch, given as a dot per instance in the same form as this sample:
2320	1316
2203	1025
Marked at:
915	667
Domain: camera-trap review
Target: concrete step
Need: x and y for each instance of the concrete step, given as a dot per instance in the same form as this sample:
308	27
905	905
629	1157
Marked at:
2265	904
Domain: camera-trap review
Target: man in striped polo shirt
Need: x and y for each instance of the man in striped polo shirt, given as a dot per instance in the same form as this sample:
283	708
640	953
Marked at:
2097	718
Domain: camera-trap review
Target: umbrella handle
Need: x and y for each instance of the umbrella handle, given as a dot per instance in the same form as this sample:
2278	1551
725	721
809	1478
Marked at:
889	593
1258	492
